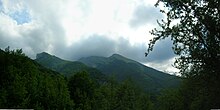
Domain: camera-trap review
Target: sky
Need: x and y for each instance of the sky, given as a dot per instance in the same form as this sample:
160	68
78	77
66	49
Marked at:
71	29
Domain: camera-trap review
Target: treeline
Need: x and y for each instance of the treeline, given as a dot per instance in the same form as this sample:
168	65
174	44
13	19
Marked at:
26	84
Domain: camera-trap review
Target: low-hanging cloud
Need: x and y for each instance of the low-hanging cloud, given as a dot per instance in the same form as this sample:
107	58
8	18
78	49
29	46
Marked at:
101	45
94	45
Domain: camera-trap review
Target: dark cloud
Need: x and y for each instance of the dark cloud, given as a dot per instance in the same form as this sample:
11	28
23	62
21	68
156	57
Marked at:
135	52
100	45
162	51
145	14
33	40
94	45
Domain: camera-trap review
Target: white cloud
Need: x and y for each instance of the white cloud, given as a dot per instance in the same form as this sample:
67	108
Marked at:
61	26
165	66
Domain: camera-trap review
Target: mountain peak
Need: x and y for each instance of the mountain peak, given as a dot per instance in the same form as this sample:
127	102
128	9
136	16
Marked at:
117	56
42	54
122	58
47	56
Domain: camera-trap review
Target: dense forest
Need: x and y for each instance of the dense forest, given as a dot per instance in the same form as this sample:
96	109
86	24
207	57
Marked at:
26	84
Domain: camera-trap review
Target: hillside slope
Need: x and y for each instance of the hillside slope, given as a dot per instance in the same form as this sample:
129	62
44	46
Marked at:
67	68
148	78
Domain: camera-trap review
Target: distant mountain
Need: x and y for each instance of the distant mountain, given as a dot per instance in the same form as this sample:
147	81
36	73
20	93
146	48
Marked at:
148	78
65	67
116	65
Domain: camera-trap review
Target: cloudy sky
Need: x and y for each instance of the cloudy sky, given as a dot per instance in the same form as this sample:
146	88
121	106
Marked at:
72	29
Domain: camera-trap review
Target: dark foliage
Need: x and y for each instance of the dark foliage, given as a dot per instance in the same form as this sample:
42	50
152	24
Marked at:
26	84
108	96
149	79
193	26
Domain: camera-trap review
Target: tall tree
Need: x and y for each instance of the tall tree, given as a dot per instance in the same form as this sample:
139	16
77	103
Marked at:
81	88
193	26
130	97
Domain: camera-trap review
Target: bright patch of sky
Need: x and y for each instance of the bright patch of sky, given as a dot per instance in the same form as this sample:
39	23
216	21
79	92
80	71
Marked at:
16	11
21	17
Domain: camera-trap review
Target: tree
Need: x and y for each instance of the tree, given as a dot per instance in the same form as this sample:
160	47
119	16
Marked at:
170	100
193	26
105	95
129	97
81	88
126	96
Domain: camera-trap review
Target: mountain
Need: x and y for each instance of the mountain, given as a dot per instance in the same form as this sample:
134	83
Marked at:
121	67
67	68
116	65
59	65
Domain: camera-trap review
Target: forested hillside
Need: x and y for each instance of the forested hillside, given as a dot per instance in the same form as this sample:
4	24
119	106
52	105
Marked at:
68	68
149	79
121	67
26	84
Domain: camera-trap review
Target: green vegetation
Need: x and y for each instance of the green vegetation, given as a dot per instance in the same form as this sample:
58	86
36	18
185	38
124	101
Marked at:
26	84
68	68
147	78
108	96
193	26
122	68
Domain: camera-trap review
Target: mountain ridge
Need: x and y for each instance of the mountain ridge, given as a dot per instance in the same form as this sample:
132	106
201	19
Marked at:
123	67
149	79
120	57
67	68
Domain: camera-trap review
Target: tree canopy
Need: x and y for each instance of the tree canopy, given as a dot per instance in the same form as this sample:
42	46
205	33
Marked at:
26	84
193	26
194	29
